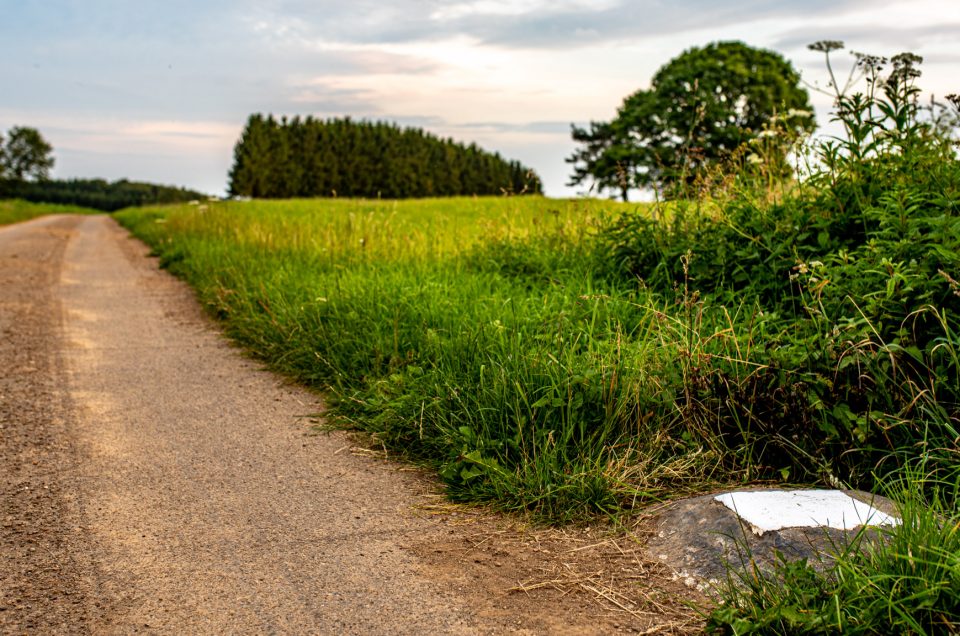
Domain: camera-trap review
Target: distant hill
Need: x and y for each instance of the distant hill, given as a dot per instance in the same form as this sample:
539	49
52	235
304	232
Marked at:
96	193
341	157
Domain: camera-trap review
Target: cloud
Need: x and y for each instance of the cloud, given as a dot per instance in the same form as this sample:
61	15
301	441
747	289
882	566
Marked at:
524	24
533	127
892	37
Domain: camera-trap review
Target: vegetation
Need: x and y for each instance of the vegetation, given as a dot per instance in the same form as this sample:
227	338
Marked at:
700	109
906	584
25	156
341	157
573	359
97	193
14	211
25	162
884	299
470	334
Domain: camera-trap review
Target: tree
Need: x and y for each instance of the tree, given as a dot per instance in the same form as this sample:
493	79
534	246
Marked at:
700	108
27	156
3	161
341	157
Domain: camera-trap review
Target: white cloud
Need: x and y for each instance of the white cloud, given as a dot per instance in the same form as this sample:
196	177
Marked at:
458	10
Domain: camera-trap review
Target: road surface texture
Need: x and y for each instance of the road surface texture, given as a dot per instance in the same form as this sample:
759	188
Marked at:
157	481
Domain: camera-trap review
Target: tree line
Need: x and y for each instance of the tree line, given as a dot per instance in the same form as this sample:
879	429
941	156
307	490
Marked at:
26	159
98	194
340	157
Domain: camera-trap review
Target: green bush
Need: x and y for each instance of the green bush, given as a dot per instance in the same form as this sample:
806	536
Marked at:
855	271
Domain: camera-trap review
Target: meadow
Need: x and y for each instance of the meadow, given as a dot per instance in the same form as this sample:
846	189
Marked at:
15	210
510	344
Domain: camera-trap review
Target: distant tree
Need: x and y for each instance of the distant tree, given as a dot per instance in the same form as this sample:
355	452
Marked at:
27	156
700	108
3	161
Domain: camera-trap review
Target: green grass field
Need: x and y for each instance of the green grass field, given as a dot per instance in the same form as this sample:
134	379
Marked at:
503	342
14	211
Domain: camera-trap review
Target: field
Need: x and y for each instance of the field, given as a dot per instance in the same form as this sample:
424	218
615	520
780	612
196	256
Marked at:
14	210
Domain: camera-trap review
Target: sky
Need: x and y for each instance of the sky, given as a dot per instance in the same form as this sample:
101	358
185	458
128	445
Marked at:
159	91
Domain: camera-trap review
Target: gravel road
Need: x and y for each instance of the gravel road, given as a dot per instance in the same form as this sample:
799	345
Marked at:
157	481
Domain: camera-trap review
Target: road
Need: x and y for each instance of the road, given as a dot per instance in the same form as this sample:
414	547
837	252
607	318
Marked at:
157	481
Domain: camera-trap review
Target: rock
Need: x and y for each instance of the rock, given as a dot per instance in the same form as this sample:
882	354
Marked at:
703	539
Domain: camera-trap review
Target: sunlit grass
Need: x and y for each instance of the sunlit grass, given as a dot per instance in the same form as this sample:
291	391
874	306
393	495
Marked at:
339	230
15	211
471	334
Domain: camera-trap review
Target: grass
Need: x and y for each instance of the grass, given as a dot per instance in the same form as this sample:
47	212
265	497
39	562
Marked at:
500	342
15	210
469	334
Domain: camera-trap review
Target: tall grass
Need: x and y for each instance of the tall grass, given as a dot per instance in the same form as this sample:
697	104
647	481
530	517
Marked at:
471	334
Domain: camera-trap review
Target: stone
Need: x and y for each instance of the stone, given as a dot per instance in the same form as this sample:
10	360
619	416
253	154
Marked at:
704	539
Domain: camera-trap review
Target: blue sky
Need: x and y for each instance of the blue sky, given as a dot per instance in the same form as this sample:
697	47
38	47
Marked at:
159	91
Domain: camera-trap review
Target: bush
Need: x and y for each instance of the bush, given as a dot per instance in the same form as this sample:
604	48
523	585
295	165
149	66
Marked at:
855	272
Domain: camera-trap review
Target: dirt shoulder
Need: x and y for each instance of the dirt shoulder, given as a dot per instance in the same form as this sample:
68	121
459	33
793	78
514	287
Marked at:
41	582
205	504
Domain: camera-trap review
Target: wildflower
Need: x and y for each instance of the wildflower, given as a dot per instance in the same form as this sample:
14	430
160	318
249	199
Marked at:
825	46
904	68
871	63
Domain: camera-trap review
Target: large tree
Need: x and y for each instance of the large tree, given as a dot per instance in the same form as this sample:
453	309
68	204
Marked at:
700	107
26	156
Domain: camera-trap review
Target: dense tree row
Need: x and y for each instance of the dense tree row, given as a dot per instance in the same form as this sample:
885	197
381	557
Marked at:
25	162
95	193
340	157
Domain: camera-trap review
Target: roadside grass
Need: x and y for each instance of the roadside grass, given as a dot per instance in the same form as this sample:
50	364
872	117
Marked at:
523	360
15	210
469	334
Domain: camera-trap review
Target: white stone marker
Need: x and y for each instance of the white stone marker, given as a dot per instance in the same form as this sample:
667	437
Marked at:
768	510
